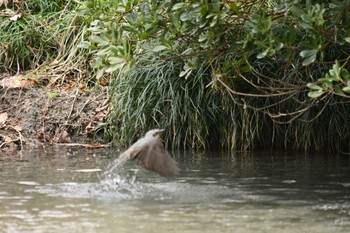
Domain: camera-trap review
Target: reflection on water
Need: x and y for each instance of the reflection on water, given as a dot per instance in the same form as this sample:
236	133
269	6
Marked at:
57	189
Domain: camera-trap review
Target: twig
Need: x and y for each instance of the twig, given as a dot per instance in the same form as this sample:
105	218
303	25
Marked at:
90	146
72	106
20	135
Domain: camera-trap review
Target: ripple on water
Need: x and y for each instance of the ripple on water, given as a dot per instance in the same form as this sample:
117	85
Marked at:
29	183
123	188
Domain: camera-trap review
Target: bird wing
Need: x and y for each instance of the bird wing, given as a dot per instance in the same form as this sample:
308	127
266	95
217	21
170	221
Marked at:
157	159
152	155
120	161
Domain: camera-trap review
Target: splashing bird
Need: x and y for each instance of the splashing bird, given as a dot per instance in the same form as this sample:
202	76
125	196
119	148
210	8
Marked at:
150	152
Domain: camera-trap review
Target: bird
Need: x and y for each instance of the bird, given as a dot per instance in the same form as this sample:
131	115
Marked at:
150	152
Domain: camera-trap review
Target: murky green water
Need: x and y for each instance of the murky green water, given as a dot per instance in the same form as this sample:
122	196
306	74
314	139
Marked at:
57	190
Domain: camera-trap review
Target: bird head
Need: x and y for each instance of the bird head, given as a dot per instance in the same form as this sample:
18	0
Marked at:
154	132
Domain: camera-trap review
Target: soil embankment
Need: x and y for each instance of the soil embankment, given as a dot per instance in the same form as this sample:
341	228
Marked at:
34	116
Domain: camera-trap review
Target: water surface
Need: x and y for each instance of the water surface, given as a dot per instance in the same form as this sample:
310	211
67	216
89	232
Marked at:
56	189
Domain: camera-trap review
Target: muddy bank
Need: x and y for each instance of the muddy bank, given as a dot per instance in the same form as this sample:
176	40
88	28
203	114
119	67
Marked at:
32	116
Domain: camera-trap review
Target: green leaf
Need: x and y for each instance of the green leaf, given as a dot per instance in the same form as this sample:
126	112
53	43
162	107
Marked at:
346	89
292	35
309	56
103	52
344	73
313	86
179	6
235	9
159	48
115	67
143	35
263	54
152	30
338	90
98	40
187	51
128	5
335	71
186	72
326	79
297	11
328	86
117	49
84	45
100	73
132	19
115	60
185	16
315	94
279	46
288	54
130	29
214	21
202	37
97	62
204	10
245	69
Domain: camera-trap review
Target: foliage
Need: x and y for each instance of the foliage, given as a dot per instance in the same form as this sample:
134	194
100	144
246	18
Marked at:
236	72
337	81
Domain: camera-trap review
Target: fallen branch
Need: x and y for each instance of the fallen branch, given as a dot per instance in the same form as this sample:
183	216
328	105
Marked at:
89	146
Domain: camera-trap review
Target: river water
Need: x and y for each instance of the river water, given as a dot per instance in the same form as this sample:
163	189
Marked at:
56	189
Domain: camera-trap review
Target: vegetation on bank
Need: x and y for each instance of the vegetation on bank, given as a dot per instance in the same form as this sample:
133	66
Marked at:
41	38
234	74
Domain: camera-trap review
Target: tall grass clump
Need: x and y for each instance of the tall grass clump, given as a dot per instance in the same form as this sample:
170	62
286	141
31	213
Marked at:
195	111
152	95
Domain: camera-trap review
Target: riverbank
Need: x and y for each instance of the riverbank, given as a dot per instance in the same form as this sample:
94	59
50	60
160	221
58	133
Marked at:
33	115
213	75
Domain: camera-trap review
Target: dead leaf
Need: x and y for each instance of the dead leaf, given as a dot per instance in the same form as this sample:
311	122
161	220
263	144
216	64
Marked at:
7	12
17	81
64	138
89	128
17	128
104	83
99	109
54	62
3	117
15	17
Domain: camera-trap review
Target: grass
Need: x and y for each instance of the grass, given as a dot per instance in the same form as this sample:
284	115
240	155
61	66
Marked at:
195	113
152	96
45	37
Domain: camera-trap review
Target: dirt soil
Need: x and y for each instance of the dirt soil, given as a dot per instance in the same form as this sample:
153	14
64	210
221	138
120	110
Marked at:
33	116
